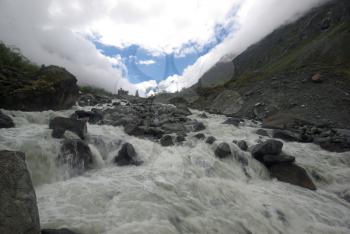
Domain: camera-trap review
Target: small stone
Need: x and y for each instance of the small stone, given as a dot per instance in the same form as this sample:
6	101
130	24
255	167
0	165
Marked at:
166	140
317	78
222	150
200	136
210	140
127	156
242	145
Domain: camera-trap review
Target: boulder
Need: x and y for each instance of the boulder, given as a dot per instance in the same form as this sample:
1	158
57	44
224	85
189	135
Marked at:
233	121
127	156
285	135
180	138
210	140
222	150
5	121
57	231
73	125
272	147
77	155
50	88
18	207
166	140
203	115
293	174
92	117
269	159
242	145
262	132
199	136
58	132
198	126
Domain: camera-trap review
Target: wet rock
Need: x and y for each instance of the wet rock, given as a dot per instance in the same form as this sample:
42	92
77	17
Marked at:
18	207
58	133
73	125
57	231
127	156
134	130
5	121
269	159
178	101
272	147
222	150
335	144
180	138
182	110
203	115
262	132
210	140
199	136
166	140
285	135
92	117
198	126
293	174
233	121
242	145
77	155
174	127
50	88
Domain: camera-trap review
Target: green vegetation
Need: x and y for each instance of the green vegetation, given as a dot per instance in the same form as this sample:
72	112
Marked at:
14	59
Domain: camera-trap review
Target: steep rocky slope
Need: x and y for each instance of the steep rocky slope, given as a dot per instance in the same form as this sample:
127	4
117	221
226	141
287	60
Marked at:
301	69
25	86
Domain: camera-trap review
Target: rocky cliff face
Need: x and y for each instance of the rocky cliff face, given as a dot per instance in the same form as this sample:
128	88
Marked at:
48	88
302	69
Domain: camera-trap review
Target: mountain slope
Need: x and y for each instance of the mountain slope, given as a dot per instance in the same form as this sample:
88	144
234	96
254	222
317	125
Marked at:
301	69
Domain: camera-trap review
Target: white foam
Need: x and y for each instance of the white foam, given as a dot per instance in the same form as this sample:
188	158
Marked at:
180	189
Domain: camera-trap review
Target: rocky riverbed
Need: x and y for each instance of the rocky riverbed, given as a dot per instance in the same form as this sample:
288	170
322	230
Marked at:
130	165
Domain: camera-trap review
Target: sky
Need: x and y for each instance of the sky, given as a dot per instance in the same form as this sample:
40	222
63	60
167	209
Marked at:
150	45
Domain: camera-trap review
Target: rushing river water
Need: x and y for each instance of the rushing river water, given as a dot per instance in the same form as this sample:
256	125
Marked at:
180	189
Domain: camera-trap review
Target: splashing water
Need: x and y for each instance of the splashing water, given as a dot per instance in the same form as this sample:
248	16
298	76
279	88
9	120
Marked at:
179	189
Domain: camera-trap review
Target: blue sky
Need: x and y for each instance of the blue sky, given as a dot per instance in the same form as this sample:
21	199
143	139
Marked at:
142	65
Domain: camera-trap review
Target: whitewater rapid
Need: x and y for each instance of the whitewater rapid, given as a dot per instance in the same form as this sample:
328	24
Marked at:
179	189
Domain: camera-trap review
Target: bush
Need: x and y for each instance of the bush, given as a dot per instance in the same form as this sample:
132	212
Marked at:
12	57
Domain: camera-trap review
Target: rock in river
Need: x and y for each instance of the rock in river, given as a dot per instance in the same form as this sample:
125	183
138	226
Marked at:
18	208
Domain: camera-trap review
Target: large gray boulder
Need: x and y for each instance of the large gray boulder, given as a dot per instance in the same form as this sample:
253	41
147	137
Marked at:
293	174
77	155
271	147
73	125
50	88
18	208
222	150
127	156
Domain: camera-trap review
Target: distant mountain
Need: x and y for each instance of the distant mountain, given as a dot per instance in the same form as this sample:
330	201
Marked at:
301	69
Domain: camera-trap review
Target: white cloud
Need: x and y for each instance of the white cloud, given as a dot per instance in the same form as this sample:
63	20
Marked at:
146	62
255	19
146	87
56	32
